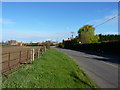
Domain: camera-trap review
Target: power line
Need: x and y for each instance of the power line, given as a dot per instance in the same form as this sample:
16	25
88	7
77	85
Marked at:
101	23
106	21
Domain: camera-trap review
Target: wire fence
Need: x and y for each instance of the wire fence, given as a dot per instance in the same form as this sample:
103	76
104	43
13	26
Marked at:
12	60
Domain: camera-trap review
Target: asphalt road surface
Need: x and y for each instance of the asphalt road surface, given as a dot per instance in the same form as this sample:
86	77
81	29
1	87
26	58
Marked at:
101	69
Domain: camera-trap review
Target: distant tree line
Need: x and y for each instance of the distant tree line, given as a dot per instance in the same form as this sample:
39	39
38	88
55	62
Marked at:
9	42
109	38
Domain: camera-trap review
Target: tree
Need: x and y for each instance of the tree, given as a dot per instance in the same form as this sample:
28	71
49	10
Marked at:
11	41
86	34
95	39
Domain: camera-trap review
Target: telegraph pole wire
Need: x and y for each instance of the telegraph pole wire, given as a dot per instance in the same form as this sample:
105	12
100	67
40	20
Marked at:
107	21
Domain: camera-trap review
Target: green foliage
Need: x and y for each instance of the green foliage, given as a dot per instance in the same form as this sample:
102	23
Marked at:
53	70
108	38
86	34
95	39
61	45
9	45
112	47
48	44
86	29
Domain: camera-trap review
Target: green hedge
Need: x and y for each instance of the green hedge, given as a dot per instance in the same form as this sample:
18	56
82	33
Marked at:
107	47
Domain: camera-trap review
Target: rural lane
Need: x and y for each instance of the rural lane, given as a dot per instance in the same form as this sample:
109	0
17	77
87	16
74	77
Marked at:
98	68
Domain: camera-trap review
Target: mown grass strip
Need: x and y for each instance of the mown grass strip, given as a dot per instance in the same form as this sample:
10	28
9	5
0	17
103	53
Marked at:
52	70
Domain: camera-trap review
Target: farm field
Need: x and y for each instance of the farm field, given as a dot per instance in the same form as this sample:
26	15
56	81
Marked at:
53	69
6	49
14	55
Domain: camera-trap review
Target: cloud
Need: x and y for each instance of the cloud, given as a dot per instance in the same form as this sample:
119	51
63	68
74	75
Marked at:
6	21
105	18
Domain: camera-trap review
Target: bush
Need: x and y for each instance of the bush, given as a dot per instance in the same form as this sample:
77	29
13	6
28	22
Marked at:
106	47
61	45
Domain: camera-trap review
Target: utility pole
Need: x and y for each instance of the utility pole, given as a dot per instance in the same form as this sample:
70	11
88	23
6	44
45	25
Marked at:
72	34
57	40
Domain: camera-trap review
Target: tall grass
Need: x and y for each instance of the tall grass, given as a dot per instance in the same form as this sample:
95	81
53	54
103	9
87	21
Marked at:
52	70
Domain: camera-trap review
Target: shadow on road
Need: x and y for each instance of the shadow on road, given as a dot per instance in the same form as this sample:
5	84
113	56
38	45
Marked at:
105	56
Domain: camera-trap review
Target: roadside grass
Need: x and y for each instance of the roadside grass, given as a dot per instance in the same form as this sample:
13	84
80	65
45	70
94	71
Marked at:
54	69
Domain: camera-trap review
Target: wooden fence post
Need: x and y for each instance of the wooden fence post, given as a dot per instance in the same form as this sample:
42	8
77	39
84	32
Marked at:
42	50
9	61
27	56
45	49
20	57
38	53
33	53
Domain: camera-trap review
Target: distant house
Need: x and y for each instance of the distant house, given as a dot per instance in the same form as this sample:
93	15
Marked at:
13	43
43	42
19	43
16	43
69	39
25	43
39	43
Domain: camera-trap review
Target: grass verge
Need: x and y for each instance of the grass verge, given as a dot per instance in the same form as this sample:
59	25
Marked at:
52	70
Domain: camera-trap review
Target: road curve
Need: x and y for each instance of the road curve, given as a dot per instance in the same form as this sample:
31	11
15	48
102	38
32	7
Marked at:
104	73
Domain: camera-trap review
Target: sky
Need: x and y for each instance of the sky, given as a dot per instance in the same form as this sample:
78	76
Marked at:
60	0
41	21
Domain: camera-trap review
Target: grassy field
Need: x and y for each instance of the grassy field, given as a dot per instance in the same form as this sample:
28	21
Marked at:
52	70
